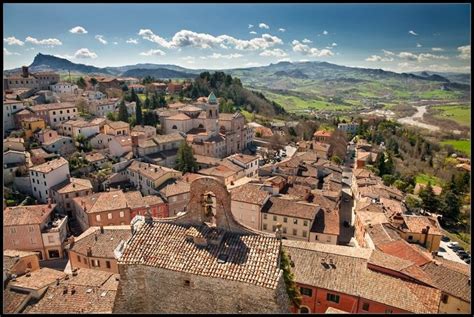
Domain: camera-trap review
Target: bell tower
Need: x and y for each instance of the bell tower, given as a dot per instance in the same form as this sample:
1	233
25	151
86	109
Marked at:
212	114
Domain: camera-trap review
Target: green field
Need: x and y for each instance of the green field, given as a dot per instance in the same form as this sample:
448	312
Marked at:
461	114
460	145
142	97
438	94
424	179
292	103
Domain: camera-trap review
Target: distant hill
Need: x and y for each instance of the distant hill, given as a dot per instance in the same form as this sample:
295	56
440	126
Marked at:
453	77
161	73
43	62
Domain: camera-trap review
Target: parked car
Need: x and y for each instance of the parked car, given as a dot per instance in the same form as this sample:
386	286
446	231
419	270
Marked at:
468	261
464	256
459	250
452	245
445	239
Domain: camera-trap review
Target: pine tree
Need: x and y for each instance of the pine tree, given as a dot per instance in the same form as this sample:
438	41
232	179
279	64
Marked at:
185	161
451	205
123	113
147	103
134	96
429	200
138	112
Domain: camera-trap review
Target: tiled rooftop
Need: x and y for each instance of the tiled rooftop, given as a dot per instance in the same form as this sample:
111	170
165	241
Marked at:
176	188
404	250
38	279
165	138
102	244
118	124
416	224
151	171
52	106
250	193
251	259
49	166
290	208
26	215
73	185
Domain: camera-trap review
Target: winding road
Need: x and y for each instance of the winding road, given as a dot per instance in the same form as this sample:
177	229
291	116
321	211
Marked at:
416	120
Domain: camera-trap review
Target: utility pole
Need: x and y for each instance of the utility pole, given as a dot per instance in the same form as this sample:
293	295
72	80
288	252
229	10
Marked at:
70	81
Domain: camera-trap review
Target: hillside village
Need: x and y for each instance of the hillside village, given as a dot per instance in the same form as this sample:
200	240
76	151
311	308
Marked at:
128	197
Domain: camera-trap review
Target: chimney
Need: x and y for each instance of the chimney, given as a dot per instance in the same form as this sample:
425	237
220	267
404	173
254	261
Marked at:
57	281
427	230
24	70
278	233
74	272
95	237
148	217
89	251
49	202
66	277
73	290
102	229
64	290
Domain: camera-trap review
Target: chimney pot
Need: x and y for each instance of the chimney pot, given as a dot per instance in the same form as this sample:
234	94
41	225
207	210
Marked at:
101	229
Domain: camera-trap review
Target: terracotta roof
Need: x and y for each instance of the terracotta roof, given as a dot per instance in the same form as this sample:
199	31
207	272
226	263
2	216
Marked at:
53	106
243	158
379	234
49	166
450	281
190	108
177	188
416	224
229	116
327	222
123	140
151	171
251	259
94	292
94	157
208	160
104	201
349	274
179	117
58	138
218	171
136	200
190	177
402	249
26	215
13	300
388	261
38	279
250	193
165	138
322	133
118	124
72	185
285	207
102	245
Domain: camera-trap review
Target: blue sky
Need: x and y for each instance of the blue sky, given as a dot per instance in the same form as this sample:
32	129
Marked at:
398	37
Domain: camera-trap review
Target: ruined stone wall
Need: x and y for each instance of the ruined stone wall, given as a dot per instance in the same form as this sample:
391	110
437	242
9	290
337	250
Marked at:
144	289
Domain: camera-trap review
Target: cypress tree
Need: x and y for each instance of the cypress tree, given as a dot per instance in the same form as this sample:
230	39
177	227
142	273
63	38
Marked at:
138	112
123	113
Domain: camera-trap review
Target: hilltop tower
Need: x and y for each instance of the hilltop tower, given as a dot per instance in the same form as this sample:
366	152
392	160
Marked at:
212	114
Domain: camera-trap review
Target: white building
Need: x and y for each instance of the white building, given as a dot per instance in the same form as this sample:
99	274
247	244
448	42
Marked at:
148	177
56	113
348	127
9	110
248	162
73	128
120	145
47	175
101	108
64	88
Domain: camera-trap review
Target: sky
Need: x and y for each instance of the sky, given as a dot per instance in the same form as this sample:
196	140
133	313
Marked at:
396	37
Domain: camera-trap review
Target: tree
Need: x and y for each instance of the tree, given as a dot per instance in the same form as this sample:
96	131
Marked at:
147	103
451	205
124	87
149	118
93	81
81	83
123	113
162	101
138	112
185	160
429	200
18	97
134	96
111	116
336	159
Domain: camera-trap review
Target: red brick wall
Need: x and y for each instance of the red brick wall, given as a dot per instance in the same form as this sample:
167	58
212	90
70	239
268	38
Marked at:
157	211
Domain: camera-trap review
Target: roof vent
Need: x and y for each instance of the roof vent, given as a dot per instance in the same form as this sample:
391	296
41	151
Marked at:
89	290
222	258
103	293
64	290
66	277
57	281
74	272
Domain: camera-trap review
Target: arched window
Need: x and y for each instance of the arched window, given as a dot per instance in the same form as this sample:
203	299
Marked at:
200	126
174	127
304	310
210	113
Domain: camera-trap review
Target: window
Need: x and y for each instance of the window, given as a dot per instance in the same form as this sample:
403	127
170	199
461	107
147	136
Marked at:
316	237
12	230
97	217
28	265
295	221
305	234
122	214
274	228
285	219
78	259
275	218
388	311
31	229
95	263
410	237
187	283
66	196
284	229
264	226
264	216
68	205
306	291
109	215
365	306
333	298
305	223
50	239
107	264
295	232
444	298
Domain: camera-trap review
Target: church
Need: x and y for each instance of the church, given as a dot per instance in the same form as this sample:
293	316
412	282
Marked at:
209	132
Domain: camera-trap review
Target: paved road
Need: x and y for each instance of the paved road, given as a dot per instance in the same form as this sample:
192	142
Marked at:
448	254
345	212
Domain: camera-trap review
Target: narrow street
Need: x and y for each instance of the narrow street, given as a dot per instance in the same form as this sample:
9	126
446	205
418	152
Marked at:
346	217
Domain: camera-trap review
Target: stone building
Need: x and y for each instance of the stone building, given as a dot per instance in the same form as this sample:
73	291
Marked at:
203	261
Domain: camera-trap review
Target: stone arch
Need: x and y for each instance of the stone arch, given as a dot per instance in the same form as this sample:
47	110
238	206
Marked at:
174	127
200	126
304	310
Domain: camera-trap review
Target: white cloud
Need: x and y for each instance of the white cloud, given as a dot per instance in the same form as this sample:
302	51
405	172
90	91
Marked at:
325	32
50	42
281	29
465	52
132	41
376	58
263	26
100	38
253	32
334	44
153	53
64	56
250	26
115	43
85	53
229	56
274	53
437	49
307	41
388	53
405	67
78	30
185	38
418	45
310	51
188	58
412	32
419	58
252	64
13	41
8	53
